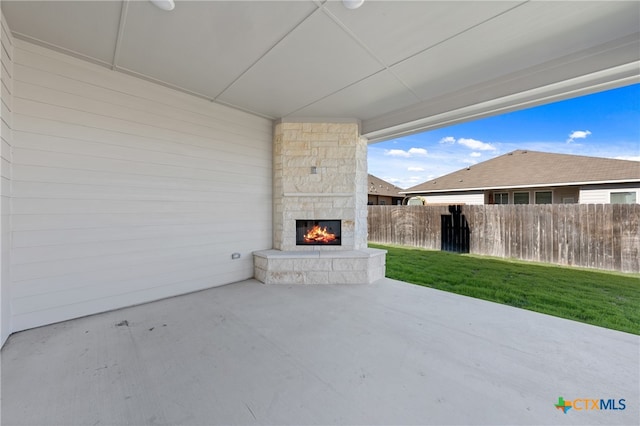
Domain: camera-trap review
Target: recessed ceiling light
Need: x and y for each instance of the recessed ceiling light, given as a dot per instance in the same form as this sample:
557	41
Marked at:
164	4
352	4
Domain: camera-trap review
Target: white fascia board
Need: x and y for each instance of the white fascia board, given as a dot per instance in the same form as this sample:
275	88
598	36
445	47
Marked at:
543	185
610	78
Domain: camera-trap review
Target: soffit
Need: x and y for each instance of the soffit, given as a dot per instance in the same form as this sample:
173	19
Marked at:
531	34
399	67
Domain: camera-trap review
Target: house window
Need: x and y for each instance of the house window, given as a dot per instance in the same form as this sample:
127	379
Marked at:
520	198
544	197
568	200
622	198
501	198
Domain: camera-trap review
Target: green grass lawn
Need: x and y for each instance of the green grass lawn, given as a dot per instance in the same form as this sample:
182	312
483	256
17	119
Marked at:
606	299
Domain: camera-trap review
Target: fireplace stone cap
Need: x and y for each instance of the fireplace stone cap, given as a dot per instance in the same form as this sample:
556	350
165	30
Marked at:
333	254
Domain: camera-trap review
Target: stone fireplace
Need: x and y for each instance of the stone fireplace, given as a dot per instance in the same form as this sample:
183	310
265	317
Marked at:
319	178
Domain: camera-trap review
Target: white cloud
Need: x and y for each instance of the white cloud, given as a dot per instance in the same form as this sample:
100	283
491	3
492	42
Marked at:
396	153
469	161
448	140
475	154
629	157
578	134
415	169
414	180
412	152
418	152
392	180
475	144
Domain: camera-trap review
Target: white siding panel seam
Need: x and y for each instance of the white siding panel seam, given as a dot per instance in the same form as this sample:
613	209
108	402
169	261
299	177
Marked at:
6	126
33	189
156	279
7	83
171	153
40	303
6	52
127	115
74	133
7	40
77	93
230	166
42	222
152	181
203	147
122	125
7	37
68	273
195	235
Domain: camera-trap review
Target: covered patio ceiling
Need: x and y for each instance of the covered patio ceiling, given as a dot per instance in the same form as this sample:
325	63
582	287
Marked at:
399	67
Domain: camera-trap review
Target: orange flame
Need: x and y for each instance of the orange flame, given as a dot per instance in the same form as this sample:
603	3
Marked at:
319	235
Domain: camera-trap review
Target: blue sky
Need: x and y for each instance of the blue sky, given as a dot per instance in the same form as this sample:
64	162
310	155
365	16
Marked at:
605	124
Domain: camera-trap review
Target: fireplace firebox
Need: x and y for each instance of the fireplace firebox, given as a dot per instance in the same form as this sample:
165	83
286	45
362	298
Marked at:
318	232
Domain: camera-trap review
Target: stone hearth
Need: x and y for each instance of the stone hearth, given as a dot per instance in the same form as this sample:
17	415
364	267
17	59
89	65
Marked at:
319	267
319	173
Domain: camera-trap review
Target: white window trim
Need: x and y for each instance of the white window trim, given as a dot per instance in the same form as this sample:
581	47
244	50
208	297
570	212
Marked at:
522	192
622	191
546	190
500	193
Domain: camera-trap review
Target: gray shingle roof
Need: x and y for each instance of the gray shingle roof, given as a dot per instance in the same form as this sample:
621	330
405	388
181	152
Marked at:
532	168
377	186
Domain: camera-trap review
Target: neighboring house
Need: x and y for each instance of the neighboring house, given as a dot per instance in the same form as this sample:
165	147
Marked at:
381	192
531	177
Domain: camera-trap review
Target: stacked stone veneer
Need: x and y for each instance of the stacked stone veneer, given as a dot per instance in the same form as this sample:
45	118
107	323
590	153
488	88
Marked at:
337	189
319	172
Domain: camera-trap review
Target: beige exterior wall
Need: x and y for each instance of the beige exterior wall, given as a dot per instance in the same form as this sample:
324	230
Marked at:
320	172
383	200
458	198
596	194
601	194
559	195
566	195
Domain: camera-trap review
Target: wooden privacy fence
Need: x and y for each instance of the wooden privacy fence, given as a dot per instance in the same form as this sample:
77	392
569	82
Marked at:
601	236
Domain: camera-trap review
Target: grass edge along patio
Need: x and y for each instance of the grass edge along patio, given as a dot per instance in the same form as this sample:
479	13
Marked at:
603	298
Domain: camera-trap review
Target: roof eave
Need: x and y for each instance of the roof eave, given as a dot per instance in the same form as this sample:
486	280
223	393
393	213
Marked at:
541	185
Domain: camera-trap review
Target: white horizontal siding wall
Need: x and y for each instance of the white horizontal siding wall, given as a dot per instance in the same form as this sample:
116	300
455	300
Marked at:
601	194
459	198
6	88
125	191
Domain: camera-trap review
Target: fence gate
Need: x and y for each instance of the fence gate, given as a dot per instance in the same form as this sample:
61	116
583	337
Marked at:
455	233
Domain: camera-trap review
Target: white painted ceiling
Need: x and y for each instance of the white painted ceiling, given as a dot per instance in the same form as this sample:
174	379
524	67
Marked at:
397	66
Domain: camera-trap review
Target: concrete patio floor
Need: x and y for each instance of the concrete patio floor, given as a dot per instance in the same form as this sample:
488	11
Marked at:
383	353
